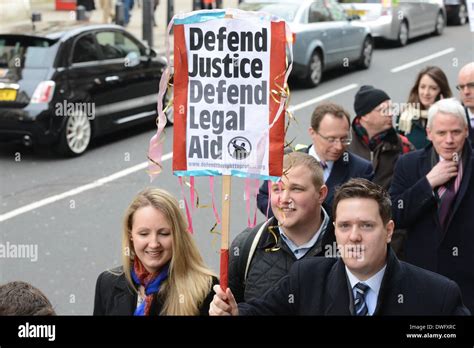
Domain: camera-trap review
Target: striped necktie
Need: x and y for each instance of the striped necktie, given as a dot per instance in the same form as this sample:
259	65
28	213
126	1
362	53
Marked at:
323	165
360	307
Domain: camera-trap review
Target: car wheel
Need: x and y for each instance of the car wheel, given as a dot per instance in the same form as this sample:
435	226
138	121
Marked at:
366	54
76	135
315	70
403	34
439	27
460	15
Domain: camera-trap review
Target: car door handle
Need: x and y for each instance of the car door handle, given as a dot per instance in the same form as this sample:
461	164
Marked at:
111	78
324	33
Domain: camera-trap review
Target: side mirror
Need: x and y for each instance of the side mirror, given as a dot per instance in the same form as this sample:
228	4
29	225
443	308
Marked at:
132	59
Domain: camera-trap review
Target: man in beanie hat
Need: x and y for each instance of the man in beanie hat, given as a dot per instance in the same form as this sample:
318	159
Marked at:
373	135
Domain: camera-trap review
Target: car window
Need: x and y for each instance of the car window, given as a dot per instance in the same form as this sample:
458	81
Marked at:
286	10
85	50
337	12
17	51
318	12
115	44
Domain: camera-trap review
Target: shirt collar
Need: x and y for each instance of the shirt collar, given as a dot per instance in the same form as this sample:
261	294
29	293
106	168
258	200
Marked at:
312	152
309	244
373	282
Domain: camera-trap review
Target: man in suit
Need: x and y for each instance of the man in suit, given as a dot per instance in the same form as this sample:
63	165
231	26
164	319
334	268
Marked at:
368	279
466	89
330	135
433	198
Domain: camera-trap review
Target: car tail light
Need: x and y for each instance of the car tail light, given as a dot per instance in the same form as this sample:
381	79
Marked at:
43	92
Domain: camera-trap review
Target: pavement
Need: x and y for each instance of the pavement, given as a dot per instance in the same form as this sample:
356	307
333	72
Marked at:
49	14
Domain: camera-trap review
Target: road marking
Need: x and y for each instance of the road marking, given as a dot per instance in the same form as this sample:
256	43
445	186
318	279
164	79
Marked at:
77	190
141	166
422	60
322	97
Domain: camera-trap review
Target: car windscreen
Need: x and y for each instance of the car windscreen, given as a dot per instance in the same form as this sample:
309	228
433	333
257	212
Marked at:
20	51
287	11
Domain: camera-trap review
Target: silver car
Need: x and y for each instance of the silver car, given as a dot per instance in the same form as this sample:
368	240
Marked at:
399	20
325	37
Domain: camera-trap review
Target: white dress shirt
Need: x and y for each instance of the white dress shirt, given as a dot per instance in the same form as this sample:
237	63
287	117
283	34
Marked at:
374	283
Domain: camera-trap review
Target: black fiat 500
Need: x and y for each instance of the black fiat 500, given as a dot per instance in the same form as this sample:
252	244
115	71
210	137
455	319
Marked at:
63	87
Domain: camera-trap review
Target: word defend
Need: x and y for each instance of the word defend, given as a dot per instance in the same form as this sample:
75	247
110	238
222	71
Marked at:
227	81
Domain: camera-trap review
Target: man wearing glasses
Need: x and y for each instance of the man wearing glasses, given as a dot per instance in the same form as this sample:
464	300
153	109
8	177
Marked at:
330	135
466	89
373	135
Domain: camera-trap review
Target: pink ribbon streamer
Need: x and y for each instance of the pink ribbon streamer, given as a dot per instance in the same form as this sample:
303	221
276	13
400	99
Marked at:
155	147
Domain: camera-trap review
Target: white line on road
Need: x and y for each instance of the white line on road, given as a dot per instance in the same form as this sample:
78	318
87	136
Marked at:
138	167
422	60
77	190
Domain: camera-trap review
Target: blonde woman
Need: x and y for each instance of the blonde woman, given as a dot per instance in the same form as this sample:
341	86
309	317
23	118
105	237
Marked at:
163	272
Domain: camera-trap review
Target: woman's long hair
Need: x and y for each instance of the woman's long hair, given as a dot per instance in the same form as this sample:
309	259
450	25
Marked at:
439	77
189	280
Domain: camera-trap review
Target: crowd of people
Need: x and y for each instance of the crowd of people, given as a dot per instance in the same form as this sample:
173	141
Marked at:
370	218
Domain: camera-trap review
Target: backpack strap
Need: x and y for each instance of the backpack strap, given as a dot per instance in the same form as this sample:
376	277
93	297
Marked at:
248	249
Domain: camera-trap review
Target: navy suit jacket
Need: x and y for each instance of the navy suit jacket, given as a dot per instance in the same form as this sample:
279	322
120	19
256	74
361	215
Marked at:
448	251
319	286
346	167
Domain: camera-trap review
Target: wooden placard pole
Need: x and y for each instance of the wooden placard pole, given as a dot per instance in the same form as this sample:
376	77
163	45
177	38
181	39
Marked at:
226	193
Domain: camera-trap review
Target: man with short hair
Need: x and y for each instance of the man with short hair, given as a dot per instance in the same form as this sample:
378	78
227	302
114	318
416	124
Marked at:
433	198
301	228
20	298
466	90
373	135
330	135
368	279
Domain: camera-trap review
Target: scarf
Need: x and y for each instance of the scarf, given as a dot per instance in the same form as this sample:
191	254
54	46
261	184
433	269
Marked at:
407	117
150	281
364	136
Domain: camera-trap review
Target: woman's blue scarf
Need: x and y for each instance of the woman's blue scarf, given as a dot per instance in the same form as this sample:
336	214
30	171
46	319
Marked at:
150	288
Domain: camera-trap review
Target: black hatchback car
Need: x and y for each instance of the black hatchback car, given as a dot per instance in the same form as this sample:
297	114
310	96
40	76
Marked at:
63	87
